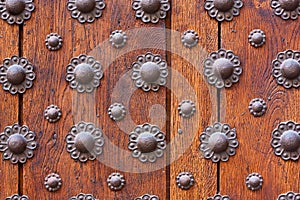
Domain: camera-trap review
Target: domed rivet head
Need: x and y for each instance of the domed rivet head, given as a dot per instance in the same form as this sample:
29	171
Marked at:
218	142
52	182
116	181
257	107
223	9
189	38
286	69
151	10
52	113
186	108
254	181
84	141
82	196
147	197
17	197
118	38
257	38
16	11
116	111
149	72
219	197
286	140
289	196
222	68
286	9
16	75
185	180
53	41
86	10
17	143
147	143
84	73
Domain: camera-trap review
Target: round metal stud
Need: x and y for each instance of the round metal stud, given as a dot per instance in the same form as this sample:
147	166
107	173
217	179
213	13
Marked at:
86	10
286	140
218	142
17	143
257	38
257	107
53	41
219	197
149	72
116	111
223	9
82	196
254	181
147	142
289	196
286	9
52	182
84	141
16	74
52	113
187	108
16	11
147	197
17	197
151	10
118	38
185	180
116	181
222	68
190	38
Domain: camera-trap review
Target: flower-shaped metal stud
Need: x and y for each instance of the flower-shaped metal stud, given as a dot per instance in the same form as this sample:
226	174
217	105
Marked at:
257	107
17	143
16	74
84	73
84	141
82	196
147	143
52	113
86	10
185	180
53	41
16	11
257	38
218	142
289	196
151	10
52	182
219	197
286	140
17	197
147	197
187	108
116	181
223	9
254	181
222	68
116	111
190	38
149	72
286	9
118	38
286	68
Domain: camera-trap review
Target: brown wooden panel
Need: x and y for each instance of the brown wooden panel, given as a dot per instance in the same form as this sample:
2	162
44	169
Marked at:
255	153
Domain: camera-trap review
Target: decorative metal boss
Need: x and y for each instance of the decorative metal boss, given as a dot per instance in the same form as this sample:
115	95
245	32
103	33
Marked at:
52	113
53	41
118	38
219	197
17	197
186	108
257	38
190	38
147	197
52	182
257	107
286	9
289	196
116	181
254	181
185	180
116	111
82	196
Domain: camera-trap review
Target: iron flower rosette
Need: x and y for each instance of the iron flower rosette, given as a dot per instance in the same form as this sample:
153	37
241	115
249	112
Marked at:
287	9
82	196
289	196
147	197
219	197
118	38
17	197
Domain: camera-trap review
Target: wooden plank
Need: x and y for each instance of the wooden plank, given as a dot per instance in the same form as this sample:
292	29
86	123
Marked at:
188	83
51	87
255	153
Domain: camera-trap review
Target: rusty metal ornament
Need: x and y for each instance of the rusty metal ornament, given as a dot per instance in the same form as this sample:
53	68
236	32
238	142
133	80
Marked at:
219	197
222	68
86	10
17	143
257	38
190	38
16	75
116	111
52	182
187	108
17	197
223	9
84	73
84	141
53	41
16	11
116	181
185	180
52	113
118	38
257	107
151	10
147	197
286	69
286	140
147	143
150	72
286	9
82	196
254	181
289	196
218	142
